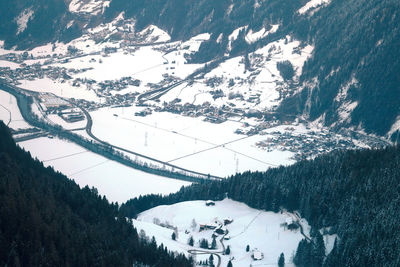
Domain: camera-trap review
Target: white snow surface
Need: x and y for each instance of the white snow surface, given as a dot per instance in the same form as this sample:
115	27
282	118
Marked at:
259	229
60	89
234	35
395	126
92	7
9	112
23	19
313	4
145	64
252	37
186	142
117	182
346	106
154	33
9	64
56	119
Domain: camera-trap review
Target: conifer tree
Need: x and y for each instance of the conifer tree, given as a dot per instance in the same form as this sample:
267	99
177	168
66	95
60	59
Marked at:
281	260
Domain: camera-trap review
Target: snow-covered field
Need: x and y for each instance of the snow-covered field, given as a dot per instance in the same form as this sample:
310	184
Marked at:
9	112
259	229
184	141
117	182
47	85
8	64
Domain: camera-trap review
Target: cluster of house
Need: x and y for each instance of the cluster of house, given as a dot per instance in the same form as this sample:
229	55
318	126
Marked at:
143	113
305	145
219	227
51	104
211	113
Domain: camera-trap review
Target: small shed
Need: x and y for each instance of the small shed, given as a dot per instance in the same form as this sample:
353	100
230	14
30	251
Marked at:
257	255
210	203
221	230
228	220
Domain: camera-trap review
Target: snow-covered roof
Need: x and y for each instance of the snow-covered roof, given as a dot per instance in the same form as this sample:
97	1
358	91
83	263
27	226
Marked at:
257	255
210	202
289	220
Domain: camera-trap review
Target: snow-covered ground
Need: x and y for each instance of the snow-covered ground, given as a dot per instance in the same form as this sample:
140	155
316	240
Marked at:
23	19
184	141
92	7
117	182
47	85
8	64
312	5
259	229
145	64
9	112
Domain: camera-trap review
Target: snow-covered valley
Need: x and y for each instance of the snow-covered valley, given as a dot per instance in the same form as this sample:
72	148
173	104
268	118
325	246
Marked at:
113	180
141	93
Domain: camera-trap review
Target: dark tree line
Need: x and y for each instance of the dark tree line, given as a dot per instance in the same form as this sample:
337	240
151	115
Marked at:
47	220
356	193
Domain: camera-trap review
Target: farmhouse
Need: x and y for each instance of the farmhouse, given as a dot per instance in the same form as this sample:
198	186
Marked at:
210	203
289	220
228	220
210	226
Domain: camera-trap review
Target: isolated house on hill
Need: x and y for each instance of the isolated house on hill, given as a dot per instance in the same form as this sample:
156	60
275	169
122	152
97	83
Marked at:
210	203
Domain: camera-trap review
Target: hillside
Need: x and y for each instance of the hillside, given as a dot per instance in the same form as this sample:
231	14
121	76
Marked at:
47	220
247	227
354	194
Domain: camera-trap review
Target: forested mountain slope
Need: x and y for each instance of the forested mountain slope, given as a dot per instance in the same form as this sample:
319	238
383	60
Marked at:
26	23
47	220
356	193
353	77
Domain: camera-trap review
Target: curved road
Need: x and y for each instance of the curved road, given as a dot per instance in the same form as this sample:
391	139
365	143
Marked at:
207	252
